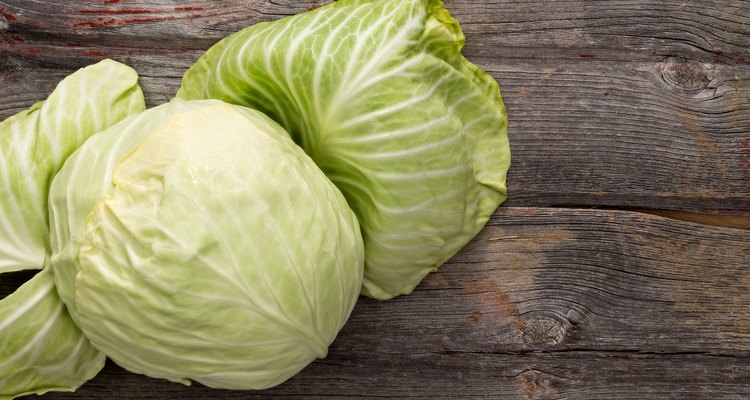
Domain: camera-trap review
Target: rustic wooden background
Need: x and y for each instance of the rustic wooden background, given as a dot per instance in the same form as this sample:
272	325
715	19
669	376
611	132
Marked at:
618	269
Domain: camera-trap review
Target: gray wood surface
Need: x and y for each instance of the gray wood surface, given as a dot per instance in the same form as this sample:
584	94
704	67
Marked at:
628	120
625	104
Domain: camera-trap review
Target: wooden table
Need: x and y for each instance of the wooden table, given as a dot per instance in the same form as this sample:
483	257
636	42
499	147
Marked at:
618	269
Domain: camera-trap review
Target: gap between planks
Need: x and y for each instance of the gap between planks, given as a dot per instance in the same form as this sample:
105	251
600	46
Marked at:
720	220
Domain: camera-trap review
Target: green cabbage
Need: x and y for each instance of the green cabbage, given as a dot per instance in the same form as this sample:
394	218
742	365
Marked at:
41	349
379	95
208	247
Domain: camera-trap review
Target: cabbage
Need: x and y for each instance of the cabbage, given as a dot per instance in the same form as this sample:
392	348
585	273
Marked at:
41	349
196	241
379	95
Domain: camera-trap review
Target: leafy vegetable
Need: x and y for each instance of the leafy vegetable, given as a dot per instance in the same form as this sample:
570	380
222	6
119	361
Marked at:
379	95
41	349
35	143
216	250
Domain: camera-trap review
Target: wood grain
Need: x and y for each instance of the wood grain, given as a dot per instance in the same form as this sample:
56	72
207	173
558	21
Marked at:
543	304
634	104
540	376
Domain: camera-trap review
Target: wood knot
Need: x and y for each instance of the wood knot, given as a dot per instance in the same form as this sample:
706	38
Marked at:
535	385
543	331
685	75
475	318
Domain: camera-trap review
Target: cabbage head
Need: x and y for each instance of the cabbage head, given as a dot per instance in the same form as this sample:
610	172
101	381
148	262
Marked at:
41	348
196	241
379	95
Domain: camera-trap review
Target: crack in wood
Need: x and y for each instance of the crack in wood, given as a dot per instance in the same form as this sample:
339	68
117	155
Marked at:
615	353
701	218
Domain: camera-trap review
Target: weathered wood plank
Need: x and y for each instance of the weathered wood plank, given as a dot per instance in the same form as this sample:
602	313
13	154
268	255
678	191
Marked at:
628	30
607	280
487	375
603	304
668	129
628	134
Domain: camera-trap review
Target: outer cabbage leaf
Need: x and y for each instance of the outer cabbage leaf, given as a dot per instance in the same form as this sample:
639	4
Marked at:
221	253
41	348
379	95
35	143
86	177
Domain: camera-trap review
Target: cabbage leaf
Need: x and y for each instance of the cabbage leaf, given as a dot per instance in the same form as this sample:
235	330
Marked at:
35	143
379	95
41	348
83	180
